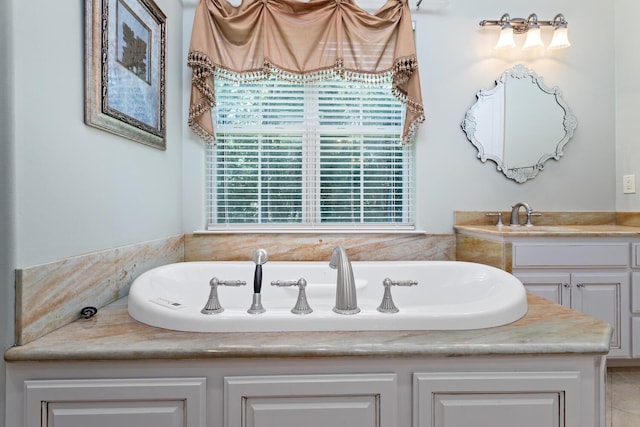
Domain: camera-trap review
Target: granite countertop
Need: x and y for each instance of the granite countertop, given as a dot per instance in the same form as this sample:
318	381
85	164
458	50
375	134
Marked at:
113	335
605	230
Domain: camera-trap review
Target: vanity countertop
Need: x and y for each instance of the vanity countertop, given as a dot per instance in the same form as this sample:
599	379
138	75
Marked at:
113	335
604	230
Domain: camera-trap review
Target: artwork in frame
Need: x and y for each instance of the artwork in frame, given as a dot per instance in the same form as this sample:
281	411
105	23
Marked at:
125	87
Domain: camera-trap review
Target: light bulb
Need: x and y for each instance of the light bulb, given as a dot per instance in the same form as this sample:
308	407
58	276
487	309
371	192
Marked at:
506	40
560	38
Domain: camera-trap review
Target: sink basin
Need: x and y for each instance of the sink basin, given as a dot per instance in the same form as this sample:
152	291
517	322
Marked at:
450	295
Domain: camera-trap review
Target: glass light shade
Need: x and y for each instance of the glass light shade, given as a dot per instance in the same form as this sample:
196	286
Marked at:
533	39
506	40
560	38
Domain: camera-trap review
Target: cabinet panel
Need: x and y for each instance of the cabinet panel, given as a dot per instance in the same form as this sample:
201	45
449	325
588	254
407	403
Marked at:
498	410
170	402
635	255
635	339
571	255
311	411
497	399
635	292
110	414
603	296
553	286
367	400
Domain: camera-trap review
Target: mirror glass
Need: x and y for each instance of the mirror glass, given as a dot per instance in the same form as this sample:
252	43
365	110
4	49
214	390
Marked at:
519	124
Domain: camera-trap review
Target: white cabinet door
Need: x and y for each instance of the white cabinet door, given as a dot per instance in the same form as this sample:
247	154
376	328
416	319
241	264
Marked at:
358	400
553	286
605	296
498	399
171	402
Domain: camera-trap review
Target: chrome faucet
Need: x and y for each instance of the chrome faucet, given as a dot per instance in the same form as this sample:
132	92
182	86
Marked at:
515	214
346	299
260	257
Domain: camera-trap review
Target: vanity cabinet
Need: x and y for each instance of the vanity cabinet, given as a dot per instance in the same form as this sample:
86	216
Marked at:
497	391
590	277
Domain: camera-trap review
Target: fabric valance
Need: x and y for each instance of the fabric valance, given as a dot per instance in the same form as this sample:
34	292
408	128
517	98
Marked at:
302	41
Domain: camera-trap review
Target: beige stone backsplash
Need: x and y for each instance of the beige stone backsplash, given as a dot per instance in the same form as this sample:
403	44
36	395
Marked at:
51	295
318	247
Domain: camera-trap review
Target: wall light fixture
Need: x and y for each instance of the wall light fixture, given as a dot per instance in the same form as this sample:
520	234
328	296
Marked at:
531	27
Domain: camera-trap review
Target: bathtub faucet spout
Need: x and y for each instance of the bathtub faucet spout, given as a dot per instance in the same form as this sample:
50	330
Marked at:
346	298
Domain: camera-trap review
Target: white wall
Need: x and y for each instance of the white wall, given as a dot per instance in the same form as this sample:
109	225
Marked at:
456	60
193	195
80	189
7	237
67	188
627	79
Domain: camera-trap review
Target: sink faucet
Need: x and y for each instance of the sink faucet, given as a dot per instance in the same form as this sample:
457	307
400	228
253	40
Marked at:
346	299
515	213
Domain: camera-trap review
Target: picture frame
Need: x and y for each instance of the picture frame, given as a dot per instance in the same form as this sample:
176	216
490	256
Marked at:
125	71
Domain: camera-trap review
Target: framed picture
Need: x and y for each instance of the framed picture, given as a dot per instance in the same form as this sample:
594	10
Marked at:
125	52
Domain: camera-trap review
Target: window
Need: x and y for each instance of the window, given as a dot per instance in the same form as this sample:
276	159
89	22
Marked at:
326	153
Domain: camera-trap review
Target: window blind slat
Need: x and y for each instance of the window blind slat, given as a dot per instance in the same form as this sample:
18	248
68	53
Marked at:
328	152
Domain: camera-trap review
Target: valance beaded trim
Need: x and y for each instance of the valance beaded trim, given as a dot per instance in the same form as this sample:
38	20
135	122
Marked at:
233	43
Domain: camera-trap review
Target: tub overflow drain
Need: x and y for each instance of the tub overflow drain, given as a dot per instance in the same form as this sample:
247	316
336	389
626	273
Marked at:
88	312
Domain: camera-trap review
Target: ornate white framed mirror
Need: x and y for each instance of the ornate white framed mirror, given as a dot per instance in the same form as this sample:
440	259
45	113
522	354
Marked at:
519	124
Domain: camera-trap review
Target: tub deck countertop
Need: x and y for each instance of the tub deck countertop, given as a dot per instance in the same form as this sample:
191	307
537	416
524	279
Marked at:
112	334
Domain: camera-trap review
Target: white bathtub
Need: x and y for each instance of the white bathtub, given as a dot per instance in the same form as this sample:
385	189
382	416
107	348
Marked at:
450	295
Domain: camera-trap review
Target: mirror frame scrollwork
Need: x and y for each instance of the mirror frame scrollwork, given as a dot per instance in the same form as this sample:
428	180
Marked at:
519	174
